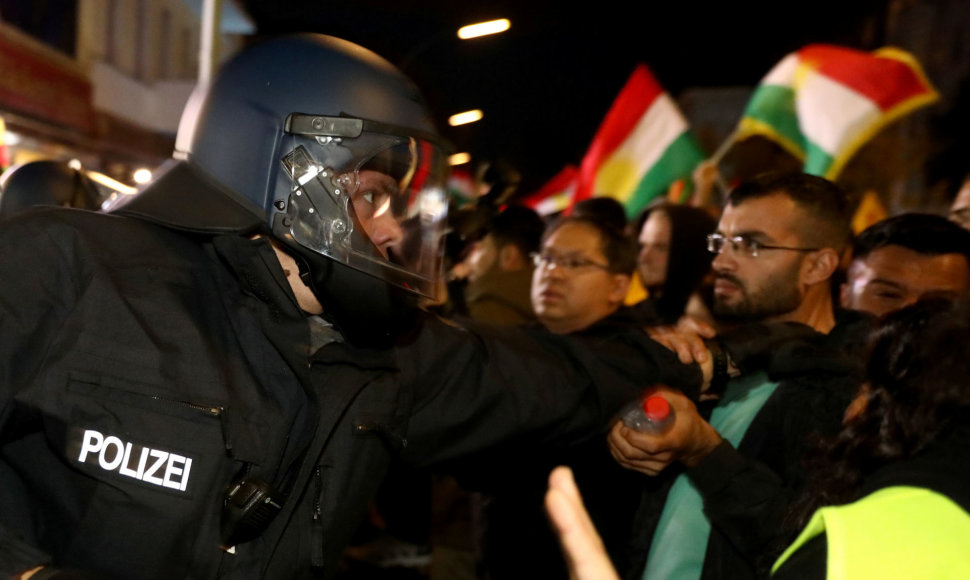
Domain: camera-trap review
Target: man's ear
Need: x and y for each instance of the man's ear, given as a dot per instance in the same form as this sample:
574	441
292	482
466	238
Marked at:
511	259
621	285
819	266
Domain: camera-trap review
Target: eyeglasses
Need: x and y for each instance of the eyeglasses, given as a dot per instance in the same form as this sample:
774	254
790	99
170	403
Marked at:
745	245
568	263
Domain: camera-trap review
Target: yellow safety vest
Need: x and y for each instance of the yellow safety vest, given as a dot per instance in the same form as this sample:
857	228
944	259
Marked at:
897	532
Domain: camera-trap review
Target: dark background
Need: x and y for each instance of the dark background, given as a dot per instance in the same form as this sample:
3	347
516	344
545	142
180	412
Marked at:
546	83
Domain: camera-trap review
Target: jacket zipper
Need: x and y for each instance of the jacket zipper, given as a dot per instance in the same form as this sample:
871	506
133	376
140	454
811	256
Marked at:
219	412
316	550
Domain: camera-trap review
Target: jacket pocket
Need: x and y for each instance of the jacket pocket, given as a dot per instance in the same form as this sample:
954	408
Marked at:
148	467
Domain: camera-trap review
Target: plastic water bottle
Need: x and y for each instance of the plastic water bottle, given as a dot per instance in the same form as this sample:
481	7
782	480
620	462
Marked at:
649	414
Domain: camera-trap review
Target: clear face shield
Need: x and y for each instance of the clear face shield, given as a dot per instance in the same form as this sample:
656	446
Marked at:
367	194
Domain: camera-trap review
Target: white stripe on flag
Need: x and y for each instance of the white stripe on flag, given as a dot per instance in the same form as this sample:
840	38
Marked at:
844	112
783	73
554	203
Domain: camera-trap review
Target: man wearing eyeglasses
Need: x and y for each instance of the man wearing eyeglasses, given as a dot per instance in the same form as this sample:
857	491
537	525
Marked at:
725	469
776	251
581	275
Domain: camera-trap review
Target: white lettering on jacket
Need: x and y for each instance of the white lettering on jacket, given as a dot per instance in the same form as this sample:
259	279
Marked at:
154	466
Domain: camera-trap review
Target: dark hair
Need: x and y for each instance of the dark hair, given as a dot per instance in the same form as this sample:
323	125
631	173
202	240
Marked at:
917	379
923	233
605	209
620	251
821	199
519	226
688	260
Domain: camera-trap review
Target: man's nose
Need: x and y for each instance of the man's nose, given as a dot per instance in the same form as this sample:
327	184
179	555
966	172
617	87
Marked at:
723	260
550	271
386	233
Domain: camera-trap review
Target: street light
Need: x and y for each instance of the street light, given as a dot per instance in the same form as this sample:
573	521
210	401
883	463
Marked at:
459	159
465	118
484	28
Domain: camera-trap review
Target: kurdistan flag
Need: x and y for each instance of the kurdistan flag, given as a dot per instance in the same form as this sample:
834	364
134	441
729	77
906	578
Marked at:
556	194
642	147
823	102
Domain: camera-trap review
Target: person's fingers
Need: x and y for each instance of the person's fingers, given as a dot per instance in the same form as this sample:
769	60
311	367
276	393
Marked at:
704	329
561	478
688	345
617	441
626	447
585	555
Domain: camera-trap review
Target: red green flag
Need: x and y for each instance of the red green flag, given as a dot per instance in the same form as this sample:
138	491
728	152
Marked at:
556	194
823	102
642	147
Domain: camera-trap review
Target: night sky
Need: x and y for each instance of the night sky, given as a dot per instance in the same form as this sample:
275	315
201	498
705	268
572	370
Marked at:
546	84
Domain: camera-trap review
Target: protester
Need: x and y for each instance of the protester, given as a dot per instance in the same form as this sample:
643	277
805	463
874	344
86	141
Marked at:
581	277
500	268
673	263
889	496
899	260
211	380
726	467
605	210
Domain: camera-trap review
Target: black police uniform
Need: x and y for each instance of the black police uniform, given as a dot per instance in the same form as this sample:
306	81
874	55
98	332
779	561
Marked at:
143	371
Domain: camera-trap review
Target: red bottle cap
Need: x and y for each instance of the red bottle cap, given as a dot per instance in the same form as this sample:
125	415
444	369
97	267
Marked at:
656	408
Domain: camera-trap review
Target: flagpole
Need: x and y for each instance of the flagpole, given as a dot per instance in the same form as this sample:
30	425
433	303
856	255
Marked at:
725	147
720	153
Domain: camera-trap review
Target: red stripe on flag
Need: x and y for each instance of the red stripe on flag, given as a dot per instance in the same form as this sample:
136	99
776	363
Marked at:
639	92
561	182
886	81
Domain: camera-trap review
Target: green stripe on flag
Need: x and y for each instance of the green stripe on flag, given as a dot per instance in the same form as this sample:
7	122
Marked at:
817	160
677	161
773	108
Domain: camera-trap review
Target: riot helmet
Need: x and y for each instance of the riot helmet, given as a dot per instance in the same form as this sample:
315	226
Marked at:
328	148
46	182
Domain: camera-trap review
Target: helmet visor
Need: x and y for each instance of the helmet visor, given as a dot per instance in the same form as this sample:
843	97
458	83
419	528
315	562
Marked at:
371	196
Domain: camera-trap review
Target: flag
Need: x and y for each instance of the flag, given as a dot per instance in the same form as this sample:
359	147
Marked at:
461	187
642	146
823	102
556	194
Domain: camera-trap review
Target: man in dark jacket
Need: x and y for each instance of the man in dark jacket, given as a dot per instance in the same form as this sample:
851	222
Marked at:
500	268
729	467
581	277
211	381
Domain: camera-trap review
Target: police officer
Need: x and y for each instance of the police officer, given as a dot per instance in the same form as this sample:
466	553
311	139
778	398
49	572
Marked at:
46	182
210	380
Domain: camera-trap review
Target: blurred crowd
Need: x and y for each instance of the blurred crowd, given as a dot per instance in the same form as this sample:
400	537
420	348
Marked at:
779	251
